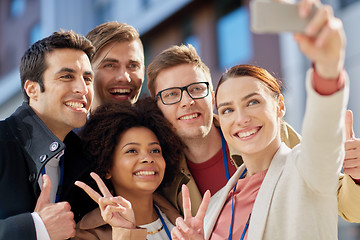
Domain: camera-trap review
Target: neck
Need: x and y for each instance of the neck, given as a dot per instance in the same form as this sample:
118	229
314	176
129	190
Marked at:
260	161
202	149
60	131
142	206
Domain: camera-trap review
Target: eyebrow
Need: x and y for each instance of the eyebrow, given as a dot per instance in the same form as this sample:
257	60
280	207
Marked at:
65	69
109	60
138	144
89	73
70	70
242	99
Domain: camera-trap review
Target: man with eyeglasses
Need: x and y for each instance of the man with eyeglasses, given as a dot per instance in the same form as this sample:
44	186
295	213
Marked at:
181	84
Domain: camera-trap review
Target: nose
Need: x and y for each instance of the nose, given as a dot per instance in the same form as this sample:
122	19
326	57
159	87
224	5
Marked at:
186	100
123	75
146	158
242	118
81	86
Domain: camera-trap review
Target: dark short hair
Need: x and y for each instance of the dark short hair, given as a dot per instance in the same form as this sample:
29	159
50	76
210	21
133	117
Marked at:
33	63
102	132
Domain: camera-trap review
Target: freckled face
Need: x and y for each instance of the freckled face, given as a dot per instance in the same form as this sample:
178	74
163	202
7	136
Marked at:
249	115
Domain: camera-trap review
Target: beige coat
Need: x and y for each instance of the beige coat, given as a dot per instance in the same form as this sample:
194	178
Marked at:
348	190
173	192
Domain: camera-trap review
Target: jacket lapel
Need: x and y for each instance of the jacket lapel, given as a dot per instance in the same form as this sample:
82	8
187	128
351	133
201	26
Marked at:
263	200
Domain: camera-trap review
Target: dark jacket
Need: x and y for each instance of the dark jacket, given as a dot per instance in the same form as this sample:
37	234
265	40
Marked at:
26	145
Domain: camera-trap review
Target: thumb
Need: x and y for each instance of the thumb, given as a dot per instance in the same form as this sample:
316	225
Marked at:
44	197
349	131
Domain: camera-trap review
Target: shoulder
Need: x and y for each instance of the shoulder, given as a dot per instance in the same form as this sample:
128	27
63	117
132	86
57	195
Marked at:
91	220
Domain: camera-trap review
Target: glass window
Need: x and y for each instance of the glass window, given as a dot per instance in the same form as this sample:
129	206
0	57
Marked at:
35	33
234	38
345	3
17	8
193	40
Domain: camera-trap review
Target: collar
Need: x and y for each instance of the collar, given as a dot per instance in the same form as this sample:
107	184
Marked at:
92	220
35	138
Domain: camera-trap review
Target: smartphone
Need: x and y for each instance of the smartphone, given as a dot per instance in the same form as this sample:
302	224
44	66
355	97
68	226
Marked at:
269	16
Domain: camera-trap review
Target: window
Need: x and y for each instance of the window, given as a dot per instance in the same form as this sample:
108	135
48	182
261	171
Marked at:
345	3
35	33
17	8
234	38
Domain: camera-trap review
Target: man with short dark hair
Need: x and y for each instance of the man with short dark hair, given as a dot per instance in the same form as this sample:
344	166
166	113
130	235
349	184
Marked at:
36	183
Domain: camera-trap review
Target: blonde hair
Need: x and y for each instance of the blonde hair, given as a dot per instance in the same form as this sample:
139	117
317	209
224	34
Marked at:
174	56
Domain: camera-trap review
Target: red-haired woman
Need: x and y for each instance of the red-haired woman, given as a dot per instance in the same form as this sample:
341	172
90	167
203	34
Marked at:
280	193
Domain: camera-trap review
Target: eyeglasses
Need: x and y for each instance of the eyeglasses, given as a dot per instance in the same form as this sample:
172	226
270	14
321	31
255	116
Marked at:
173	95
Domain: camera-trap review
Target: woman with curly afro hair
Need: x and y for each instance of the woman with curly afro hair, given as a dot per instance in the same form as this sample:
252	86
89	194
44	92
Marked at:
136	153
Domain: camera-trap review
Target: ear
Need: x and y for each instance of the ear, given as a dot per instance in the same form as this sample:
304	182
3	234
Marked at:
213	98
281	109
108	175
32	89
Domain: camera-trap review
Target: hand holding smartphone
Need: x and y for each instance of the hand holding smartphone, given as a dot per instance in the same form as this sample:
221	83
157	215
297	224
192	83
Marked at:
269	16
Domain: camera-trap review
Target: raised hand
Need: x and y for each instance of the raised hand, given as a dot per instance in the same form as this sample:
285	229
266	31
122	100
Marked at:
352	149
191	227
324	39
116	211
57	217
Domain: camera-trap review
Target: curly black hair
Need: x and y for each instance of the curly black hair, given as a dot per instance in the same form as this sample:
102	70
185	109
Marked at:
101	134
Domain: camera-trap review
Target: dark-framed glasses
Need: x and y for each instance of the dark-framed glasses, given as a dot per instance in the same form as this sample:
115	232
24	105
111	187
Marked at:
173	95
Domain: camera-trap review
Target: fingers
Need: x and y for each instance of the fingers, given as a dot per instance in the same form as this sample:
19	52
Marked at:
58	220
203	206
104	190
176	234
91	192
186	201
183	227
105	202
44	197
305	7
354	173
351	163
349	131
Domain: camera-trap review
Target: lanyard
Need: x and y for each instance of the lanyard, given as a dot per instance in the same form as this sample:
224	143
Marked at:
232	212
163	222
58	192
225	156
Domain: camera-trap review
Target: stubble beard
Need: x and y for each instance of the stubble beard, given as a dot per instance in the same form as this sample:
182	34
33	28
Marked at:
194	136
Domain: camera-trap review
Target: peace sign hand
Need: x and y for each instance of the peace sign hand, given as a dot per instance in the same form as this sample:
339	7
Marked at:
191	227
116	211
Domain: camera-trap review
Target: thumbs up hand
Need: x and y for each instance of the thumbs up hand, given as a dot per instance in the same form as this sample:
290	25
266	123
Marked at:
352	149
57	217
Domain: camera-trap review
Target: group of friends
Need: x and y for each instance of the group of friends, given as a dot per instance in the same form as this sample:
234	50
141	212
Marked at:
85	158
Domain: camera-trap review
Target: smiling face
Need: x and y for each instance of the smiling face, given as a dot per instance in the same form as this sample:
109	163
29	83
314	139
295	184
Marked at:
119	72
138	165
68	83
191	118
250	115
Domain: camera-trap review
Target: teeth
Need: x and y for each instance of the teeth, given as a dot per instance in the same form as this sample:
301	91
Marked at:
187	117
246	134
74	104
120	90
145	173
